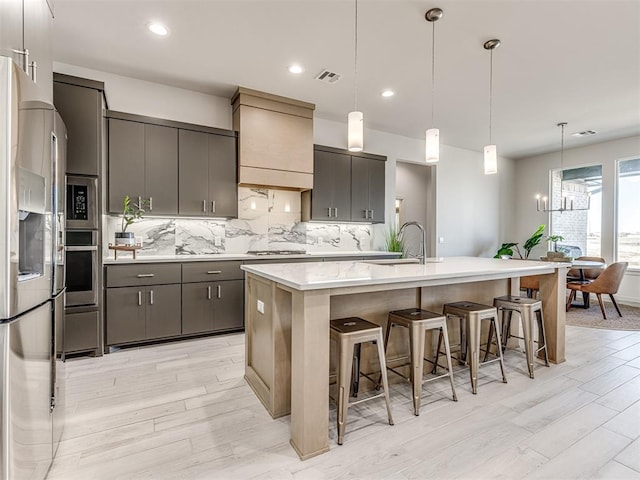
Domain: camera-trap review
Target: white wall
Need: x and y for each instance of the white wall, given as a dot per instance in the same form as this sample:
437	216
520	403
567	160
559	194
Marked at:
130	95
532	177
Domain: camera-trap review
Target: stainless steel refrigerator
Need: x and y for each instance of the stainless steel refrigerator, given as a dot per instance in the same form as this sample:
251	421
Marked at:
31	274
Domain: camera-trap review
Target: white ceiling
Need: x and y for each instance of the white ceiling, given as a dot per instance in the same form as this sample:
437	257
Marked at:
576	61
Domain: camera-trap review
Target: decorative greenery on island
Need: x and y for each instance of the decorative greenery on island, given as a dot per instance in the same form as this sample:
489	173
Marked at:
392	241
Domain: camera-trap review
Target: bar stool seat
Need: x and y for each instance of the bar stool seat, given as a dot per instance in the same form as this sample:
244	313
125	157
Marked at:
418	321
349	332
526	308
471	315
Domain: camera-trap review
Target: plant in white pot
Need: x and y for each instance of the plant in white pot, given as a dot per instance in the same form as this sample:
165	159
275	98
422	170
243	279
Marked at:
130	213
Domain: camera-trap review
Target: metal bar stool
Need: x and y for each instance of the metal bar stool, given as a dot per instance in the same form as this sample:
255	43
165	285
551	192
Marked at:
471	315
526	308
348	332
418	321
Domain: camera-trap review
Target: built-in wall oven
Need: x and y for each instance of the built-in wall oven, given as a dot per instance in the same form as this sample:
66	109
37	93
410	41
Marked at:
82	268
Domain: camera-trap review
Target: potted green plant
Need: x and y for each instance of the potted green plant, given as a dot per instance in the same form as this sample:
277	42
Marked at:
506	249
392	241
553	254
130	213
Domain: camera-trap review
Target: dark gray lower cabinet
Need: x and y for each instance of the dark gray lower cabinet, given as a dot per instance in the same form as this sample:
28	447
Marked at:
142	313
212	306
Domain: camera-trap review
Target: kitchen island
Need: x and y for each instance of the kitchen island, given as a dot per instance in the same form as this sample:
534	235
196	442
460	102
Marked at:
288	308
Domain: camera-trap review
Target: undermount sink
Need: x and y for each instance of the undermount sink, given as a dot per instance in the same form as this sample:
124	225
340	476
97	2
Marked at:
393	261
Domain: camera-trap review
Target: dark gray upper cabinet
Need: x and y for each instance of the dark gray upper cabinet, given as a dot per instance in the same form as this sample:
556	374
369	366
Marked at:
143	164
367	189
331	199
161	169
81	110
208	174
26	24
346	187
126	162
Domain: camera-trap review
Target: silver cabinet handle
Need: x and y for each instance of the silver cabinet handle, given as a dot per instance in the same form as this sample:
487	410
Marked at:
213	272
209	292
204	206
219	291
145	275
329	212
335	212
150	203
366	213
139	201
139	298
151	297
213	206
34	67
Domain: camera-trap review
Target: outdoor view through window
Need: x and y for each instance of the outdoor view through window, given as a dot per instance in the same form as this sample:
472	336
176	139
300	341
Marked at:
628	234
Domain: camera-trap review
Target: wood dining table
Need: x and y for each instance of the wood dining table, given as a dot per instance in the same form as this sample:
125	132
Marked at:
581	266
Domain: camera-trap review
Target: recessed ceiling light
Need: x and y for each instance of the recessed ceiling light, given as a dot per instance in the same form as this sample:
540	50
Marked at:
388	93
296	69
158	29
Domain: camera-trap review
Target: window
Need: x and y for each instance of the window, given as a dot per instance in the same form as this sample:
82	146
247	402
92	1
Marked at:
628	222
578	188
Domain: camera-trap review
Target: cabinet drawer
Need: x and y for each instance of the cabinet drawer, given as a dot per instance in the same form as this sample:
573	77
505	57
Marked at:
81	331
211	271
135	275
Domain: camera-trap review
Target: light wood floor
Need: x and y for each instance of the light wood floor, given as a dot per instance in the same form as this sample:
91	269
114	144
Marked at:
183	411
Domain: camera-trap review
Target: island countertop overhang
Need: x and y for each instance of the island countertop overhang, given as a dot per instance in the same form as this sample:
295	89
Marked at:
314	276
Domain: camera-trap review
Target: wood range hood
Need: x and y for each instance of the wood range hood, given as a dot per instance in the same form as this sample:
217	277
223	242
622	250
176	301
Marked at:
275	140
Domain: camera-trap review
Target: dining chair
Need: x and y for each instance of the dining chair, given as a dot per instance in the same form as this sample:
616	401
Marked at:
531	283
607	282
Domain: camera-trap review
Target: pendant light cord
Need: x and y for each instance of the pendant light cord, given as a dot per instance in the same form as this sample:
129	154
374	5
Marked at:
433	72
490	95
355	62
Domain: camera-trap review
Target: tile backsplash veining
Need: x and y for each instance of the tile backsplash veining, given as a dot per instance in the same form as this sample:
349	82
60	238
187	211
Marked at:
268	219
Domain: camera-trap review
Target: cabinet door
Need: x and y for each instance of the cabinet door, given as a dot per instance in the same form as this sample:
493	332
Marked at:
197	307
341	187
229	305
125	315
11	30
223	183
161	169
37	39
193	158
81	110
163	315
376	190
322	194
126	162
359	189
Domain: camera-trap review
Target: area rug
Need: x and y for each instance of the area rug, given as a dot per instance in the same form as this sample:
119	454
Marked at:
592	317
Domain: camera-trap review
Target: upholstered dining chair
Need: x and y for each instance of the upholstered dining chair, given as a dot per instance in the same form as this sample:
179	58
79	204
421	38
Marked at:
607	282
531	284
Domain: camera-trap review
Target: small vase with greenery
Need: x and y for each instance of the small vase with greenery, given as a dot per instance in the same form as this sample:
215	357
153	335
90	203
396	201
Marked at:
506	249
130	213
392	241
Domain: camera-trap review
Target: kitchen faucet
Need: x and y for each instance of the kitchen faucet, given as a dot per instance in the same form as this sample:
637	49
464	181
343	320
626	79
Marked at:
423	244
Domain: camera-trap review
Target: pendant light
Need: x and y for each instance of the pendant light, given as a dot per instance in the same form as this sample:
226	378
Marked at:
355	119
490	151
432	136
564	204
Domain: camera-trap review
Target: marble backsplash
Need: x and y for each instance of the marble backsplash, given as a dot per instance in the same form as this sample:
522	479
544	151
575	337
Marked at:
267	220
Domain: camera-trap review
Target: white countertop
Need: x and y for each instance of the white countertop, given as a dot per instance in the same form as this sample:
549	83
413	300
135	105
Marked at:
123	260
315	276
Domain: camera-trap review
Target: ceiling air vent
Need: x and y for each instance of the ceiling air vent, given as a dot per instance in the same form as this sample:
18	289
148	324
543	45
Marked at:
584	133
325	76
